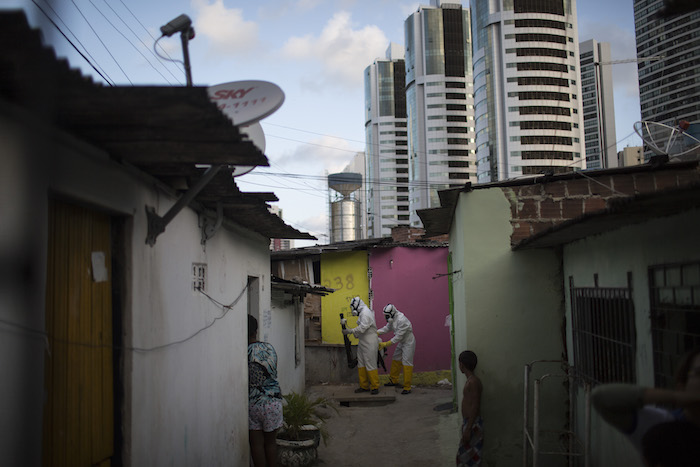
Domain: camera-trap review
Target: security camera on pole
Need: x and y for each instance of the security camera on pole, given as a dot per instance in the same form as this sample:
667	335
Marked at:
183	25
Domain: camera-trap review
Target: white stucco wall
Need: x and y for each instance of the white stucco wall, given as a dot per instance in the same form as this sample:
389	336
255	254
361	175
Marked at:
507	309
611	255
188	402
185	404
287	336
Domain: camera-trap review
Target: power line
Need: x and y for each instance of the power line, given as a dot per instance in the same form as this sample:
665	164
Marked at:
129	41
108	81
139	39
101	41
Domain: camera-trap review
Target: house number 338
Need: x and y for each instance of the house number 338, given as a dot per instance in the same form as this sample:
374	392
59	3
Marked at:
337	283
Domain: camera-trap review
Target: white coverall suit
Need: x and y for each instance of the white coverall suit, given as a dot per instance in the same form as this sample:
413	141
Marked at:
366	333
405	348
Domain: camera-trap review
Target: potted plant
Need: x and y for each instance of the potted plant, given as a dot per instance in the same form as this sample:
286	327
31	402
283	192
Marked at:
298	440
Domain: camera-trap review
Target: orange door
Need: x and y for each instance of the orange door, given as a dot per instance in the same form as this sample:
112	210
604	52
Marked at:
78	412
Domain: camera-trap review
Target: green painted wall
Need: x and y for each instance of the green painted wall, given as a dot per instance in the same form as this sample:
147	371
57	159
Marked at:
509	310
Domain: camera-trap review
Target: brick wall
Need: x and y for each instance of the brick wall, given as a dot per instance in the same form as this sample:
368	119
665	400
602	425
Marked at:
537	207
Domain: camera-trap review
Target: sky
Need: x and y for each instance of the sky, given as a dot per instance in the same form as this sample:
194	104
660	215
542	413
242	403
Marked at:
314	50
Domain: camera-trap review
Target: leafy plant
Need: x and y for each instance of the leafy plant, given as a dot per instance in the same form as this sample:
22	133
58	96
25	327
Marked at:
300	410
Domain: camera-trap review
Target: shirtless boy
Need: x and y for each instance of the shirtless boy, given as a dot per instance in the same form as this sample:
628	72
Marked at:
471	444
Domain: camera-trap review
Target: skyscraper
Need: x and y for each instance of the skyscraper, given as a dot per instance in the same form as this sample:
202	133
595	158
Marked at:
598	107
386	174
527	90
669	88
439	103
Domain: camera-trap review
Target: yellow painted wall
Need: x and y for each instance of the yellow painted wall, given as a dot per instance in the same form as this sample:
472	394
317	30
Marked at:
346	273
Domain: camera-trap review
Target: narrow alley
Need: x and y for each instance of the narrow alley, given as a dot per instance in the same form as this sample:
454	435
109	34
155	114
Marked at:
416	430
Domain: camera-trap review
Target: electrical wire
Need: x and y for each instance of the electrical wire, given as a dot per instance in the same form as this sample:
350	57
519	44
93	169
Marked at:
46	336
129	41
101	41
108	81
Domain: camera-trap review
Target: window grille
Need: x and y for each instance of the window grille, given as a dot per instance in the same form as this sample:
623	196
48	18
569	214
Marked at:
674	297
604	336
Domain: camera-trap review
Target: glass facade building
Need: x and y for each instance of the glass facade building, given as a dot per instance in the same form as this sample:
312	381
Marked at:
669	88
386	136
527	91
598	107
439	103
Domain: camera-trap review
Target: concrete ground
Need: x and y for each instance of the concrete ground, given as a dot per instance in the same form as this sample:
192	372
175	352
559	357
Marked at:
389	429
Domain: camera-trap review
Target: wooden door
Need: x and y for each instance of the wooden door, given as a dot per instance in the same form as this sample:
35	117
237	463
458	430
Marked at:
79	407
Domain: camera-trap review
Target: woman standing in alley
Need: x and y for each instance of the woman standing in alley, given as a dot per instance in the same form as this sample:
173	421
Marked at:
264	399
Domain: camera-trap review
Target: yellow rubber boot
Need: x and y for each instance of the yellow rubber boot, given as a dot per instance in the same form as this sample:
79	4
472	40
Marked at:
407	375
362	374
374	380
394	372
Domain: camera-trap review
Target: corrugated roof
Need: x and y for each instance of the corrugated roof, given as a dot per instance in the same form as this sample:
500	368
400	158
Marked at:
162	131
355	245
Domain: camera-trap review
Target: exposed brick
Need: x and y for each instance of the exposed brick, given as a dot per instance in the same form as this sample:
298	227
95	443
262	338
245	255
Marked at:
688	177
578	187
644	183
624	183
521	230
665	180
550	209
593	205
571	208
555	189
527	209
530	190
602	187
538	227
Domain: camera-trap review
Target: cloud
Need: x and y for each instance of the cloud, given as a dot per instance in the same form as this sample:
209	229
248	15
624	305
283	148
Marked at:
341	52
325	154
227	30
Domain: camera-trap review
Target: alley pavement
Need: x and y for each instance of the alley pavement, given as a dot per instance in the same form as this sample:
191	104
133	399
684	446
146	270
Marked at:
389	429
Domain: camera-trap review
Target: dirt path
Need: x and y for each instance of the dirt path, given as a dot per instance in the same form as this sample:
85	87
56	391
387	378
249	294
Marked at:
408	432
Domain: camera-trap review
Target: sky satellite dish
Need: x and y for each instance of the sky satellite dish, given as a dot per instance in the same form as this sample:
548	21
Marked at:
246	102
255	133
674	142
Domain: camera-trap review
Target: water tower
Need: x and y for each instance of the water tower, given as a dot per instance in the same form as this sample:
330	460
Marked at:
346	209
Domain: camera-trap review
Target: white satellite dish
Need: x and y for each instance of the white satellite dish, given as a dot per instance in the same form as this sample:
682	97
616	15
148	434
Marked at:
246	102
669	141
256	135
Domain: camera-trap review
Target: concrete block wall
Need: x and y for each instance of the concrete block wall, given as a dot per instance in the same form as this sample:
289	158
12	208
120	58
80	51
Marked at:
538	207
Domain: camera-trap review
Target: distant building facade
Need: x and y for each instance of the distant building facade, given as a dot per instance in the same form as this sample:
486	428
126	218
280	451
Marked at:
527	92
669	89
277	244
598	107
386	136
631	155
439	103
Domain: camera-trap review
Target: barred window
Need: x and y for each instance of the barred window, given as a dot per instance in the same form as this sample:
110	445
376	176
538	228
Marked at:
540	52
544	125
544	110
604	336
541	139
674	293
542	81
533	37
539	23
543	95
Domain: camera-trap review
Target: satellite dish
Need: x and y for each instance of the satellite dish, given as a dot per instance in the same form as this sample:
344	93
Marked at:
246	102
256	135
669	141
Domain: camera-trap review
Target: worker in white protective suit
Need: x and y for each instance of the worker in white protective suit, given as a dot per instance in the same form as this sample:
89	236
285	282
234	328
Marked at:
397	323
366	333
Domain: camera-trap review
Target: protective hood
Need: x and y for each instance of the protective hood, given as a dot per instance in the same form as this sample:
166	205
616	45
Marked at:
390	312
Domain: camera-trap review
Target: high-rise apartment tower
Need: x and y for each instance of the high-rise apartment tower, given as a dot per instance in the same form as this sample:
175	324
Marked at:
598	107
669	88
439	103
527	92
386	169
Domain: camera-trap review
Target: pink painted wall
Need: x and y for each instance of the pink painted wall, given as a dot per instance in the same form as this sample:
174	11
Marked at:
404	276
